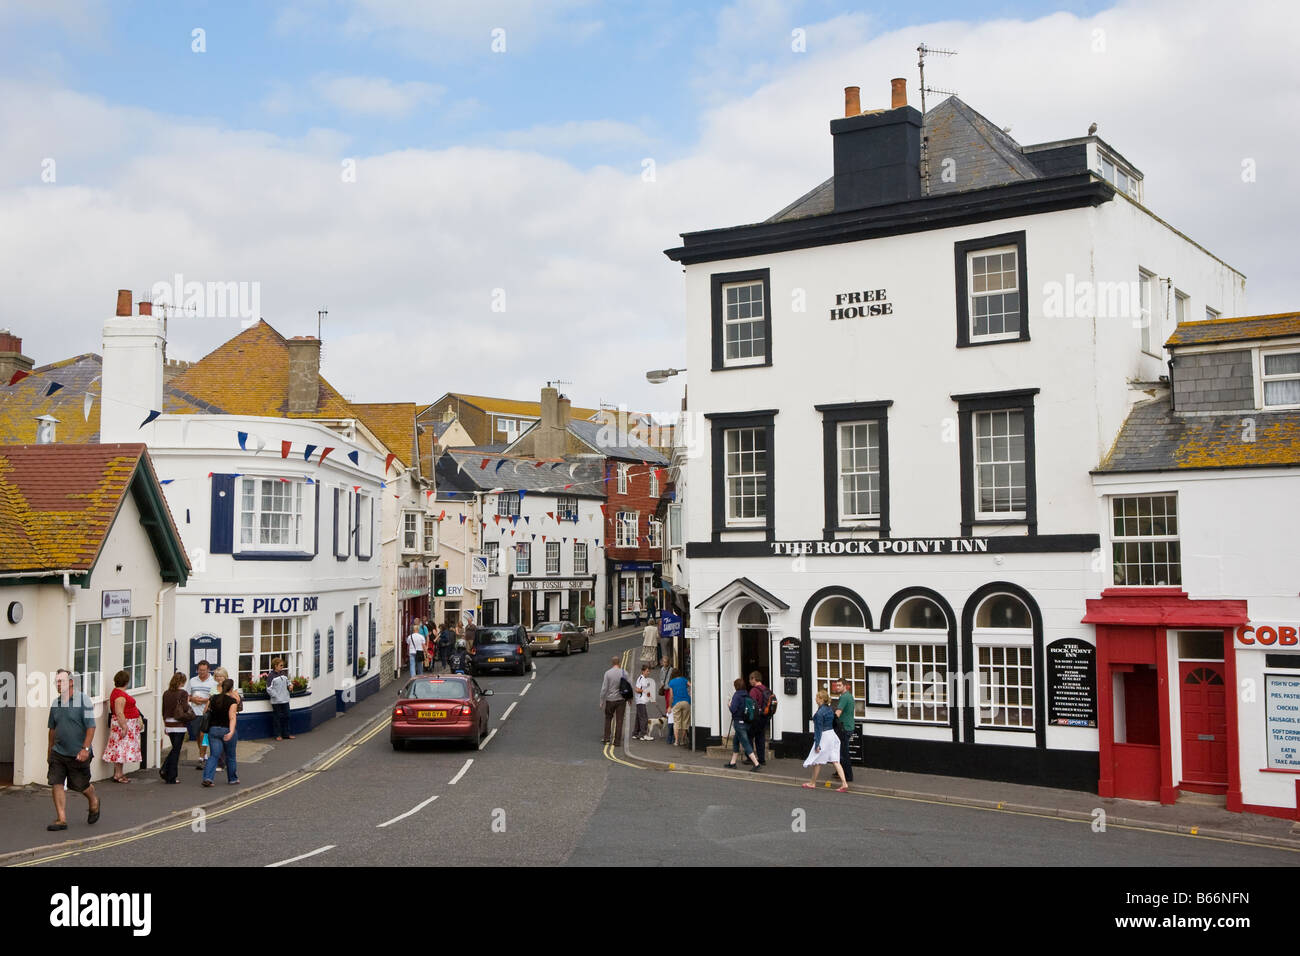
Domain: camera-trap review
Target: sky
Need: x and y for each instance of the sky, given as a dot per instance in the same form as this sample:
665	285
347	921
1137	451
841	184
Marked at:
480	194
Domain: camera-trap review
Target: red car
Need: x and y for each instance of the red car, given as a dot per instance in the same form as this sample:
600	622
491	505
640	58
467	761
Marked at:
435	708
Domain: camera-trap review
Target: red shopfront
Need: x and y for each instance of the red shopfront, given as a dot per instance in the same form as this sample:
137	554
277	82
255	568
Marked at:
1166	711
413	589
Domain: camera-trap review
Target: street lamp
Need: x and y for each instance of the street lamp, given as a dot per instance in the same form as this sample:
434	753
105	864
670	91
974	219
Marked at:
660	375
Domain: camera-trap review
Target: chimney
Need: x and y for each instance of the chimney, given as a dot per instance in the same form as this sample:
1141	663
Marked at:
553	430
45	430
146	308
12	358
897	92
878	155
852	102
131	384
304	374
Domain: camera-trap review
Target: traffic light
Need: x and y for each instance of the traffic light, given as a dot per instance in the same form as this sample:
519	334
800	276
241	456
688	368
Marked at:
439	582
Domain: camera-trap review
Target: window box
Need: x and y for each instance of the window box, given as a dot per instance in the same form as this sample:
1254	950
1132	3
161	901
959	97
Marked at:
992	284
742	319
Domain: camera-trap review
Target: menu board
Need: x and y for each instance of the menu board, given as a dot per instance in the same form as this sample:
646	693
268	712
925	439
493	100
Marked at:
791	657
1071	683
1282	720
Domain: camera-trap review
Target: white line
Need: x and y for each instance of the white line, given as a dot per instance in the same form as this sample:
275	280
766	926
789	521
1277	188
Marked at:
415	809
295	859
492	733
525	690
462	771
533	675
508	709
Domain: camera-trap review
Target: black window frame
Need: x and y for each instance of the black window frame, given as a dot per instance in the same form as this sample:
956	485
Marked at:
963	249
720	424
718	308
832	417
1021	400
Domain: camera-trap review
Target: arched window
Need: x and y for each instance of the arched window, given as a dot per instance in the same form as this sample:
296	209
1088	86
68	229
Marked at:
1004	658
920	613
921	664
838	612
752	615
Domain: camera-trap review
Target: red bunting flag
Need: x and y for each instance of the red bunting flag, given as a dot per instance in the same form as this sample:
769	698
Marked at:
442	514
284	448
567	487
551	515
543	539
537	464
496	519
485	463
512	534
323	454
428	494
388	462
602	510
356	488
18	376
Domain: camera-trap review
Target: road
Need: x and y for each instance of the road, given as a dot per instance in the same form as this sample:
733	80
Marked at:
543	790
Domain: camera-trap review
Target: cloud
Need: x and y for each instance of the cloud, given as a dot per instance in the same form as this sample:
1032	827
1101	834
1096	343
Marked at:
353	96
575	133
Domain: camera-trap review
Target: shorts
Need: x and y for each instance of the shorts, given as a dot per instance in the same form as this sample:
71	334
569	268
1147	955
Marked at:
69	772
195	732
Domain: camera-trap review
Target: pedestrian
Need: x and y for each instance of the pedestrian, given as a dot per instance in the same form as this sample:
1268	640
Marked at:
668	712
665	650
200	689
743	714
613	699
72	729
223	720
278	690
221	675
177	714
589	616
645	692
123	745
681	691
759	729
826	745
446	644
649	642
415	644
470	632
845	723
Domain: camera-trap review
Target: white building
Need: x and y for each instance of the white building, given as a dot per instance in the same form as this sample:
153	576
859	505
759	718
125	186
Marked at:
908	375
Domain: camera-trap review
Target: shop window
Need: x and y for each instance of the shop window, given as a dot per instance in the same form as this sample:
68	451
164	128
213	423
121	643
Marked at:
842	660
263	639
921	682
838	612
86	649
1145	550
135	651
1006	687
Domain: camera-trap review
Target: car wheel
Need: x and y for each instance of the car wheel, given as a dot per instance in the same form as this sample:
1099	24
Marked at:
586	645
568	648
523	668
399	744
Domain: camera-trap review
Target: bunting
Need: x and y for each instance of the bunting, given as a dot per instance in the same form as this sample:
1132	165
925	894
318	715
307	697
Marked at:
52	388
498	467
153	413
306	452
323	454
18	376
485	463
85	406
284	448
496	519
243	440
355	457
522	492
388	462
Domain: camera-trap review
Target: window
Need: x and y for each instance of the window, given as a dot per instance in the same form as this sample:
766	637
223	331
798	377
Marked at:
746	475
1108	170
566	508
918	613
523	558
622	477
999	464
846	659
675	526
991	282
1006	687
508	504
365	526
261	640
428	536
1281	378
552	557
492	553
1182	307
411	532
859	479
342	522
271	514
838	612
1211	314
655	530
654	482
86	658
1146	300
742	320
579	557
1144	541
921	682
135	651
626	524
329	652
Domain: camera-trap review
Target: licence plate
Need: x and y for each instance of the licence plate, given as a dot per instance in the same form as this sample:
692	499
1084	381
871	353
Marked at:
496	660
544	640
434	714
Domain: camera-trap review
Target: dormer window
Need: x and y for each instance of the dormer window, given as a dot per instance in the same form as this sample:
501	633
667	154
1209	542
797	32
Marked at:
1280	375
1115	174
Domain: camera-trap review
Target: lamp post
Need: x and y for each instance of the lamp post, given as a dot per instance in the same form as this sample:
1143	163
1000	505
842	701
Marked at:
658	376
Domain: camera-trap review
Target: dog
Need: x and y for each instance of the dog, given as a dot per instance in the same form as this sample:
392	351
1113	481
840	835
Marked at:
656	723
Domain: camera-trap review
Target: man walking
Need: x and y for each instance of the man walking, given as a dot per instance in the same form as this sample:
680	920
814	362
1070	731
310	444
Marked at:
72	729
201	687
681	691
845	724
645	692
758	730
612	701
415	645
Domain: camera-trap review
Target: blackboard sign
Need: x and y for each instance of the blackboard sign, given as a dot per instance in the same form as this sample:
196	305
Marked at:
791	657
1071	683
855	746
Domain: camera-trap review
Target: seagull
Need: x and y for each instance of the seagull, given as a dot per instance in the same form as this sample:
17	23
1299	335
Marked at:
1092	130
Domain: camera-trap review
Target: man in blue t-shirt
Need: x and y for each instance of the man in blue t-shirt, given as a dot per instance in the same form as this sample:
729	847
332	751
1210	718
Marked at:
680	688
72	729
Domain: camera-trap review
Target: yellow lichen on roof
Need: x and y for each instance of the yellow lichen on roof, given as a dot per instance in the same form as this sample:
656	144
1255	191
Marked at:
510	406
1272	443
393	423
1236	328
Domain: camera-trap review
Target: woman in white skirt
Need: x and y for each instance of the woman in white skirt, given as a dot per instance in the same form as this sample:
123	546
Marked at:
826	746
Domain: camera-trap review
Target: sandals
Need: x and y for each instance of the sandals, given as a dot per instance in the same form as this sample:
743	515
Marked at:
809	786
843	789
121	780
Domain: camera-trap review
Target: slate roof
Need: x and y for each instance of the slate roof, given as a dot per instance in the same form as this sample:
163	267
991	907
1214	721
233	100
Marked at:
1239	329
58	503
393	423
467	472
628	448
1156	438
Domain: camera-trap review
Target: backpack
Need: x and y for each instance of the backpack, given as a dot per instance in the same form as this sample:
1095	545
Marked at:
749	710
625	689
768	710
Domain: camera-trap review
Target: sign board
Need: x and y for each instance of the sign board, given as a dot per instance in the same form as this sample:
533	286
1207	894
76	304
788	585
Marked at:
692	633
670	624
1071	683
115	604
855	746
791	657
204	647
478	575
549	584
1282	720
1260	636
455	590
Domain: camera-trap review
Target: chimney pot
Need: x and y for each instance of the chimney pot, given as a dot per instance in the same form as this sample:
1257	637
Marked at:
898	92
123	301
146	308
852	101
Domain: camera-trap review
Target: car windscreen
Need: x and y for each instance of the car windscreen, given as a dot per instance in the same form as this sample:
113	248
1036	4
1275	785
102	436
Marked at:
437	690
496	635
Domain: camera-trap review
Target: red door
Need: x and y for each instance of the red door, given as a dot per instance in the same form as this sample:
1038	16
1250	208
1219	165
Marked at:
1204	723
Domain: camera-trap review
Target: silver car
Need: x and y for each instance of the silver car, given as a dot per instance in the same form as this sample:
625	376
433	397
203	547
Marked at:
559	637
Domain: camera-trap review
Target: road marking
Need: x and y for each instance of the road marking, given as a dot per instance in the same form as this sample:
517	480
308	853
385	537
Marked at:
610	755
461	773
525	690
533	673
415	809
295	859
492	733
508	709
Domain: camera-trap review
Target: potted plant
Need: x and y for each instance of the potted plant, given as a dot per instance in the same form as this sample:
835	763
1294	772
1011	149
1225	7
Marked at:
361	666
254	689
298	686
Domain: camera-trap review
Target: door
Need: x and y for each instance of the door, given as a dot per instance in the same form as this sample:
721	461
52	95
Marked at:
489	612
754	654
8	714
1203	697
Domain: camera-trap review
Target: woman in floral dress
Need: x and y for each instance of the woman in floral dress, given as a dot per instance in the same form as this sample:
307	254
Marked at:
123	729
